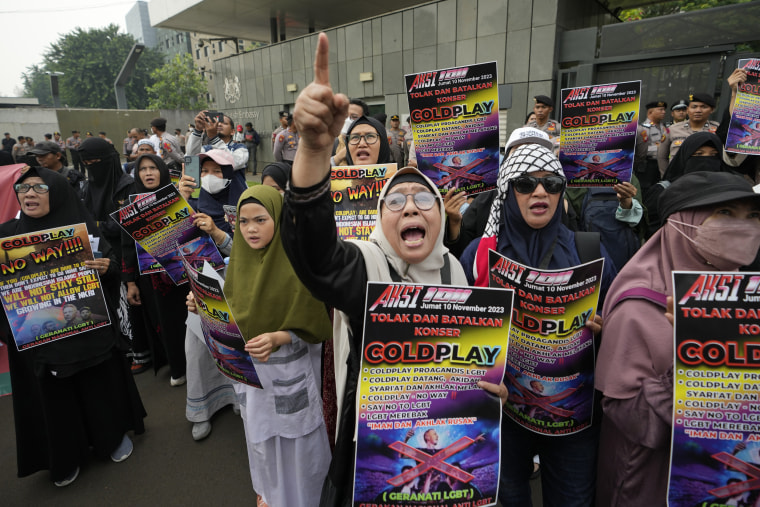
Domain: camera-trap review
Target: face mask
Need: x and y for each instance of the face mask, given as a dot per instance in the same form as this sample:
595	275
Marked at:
214	184
694	164
726	243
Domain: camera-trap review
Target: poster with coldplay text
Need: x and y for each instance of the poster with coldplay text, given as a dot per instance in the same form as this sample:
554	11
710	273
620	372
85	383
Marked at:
355	192
455	126
744	129
715	453
598	137
47	291
550	363
161	221
426	433
220	331
145	261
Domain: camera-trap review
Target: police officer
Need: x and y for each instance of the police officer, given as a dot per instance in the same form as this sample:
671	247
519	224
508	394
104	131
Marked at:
701	106
396	141
543	107
283	126
286	144
648	137
677	112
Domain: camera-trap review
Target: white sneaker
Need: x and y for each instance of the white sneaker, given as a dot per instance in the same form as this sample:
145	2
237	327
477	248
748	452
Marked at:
201	430
123	451
177	381
68	480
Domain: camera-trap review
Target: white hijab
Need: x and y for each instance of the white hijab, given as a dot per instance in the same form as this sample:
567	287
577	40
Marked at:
378	255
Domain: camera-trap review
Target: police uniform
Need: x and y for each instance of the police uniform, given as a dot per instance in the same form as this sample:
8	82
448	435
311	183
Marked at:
285	146
279	130
551	127
397	144
675	135
649	135
681	104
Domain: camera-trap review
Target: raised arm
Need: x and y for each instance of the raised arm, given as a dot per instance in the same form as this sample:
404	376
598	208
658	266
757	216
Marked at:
319	115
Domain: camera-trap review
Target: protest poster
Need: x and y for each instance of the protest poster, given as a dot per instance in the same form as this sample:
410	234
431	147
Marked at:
715	453
47	291
550	363
426	433
455	126
355	192
598	136
5	371
145	261
220	331
161	221
744	128
230	214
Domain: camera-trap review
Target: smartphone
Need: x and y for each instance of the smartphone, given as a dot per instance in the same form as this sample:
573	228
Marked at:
193	168
215	116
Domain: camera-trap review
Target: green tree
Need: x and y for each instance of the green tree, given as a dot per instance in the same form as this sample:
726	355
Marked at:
90	61
37	84
665	8
177	85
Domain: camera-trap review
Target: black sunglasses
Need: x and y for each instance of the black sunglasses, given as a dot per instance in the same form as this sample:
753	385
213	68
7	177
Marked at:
526	184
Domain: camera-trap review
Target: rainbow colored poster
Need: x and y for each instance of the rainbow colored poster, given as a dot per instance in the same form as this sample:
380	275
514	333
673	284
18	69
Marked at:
744	129
598	137
145	261
550	364
160	222
426	433
355	192
455	126
223	338
47	291
715	453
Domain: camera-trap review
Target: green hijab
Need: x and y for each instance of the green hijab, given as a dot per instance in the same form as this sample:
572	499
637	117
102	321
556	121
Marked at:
263	291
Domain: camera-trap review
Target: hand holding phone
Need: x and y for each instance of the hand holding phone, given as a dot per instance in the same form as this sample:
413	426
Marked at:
193	168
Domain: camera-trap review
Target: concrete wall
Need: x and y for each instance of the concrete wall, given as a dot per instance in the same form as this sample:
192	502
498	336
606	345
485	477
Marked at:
520	35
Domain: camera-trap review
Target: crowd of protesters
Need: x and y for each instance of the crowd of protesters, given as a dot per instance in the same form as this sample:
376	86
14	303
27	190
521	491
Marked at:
298	292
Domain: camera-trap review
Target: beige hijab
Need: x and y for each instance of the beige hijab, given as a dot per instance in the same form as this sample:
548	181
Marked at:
378	255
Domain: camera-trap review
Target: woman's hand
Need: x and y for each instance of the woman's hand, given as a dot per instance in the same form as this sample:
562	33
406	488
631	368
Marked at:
187	184
319	115
133	294
595	324
499	390
100	265
625	191
452	203
190	303
261	346
669	310
205	223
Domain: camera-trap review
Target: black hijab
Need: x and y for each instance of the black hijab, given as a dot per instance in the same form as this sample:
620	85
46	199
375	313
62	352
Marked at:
684	163
104	177
72	354
384	156
65	207
279	172
163	170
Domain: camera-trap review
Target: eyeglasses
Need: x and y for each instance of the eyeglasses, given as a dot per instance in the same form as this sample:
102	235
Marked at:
39	188
396	201
370	138
527	184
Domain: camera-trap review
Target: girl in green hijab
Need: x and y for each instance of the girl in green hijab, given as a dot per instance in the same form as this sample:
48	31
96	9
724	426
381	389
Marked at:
288	449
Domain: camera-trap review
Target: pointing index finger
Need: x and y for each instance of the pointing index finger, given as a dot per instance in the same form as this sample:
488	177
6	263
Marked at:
321	70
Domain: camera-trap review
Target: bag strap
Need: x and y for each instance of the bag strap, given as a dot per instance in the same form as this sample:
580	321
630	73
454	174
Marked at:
650	295
588	245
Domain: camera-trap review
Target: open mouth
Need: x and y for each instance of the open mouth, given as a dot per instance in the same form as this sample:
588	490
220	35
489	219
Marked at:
539	207
362	154
413	236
